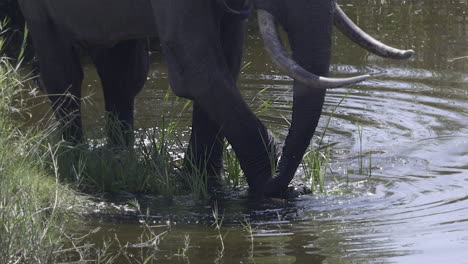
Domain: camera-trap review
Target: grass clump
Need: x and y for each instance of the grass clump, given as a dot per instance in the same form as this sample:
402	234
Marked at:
151	165
34	207
154	164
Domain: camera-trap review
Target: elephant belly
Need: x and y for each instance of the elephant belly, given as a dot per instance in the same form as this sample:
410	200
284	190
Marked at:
103	21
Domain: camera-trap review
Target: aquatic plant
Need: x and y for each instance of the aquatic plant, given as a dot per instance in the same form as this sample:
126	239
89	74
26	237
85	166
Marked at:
217	224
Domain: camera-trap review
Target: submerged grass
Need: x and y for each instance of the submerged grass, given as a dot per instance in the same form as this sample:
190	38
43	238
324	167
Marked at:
317	160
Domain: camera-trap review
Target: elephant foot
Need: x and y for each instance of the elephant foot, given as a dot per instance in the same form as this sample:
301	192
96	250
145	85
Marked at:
294	191
291	192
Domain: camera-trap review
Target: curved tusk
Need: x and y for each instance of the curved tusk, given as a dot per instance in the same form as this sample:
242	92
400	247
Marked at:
281	57
353	32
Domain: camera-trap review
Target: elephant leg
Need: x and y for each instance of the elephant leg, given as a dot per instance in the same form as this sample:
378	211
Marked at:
205	150
206	145
61	75
123	70
198	70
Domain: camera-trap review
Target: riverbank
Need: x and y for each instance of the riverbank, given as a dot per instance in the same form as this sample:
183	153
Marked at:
35	209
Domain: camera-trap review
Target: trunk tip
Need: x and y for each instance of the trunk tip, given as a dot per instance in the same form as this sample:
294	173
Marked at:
408	54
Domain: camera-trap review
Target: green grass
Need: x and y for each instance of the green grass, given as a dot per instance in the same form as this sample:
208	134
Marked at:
40	216
153	165
34	207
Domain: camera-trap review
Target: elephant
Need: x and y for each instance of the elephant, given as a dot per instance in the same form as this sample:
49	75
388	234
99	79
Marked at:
202	42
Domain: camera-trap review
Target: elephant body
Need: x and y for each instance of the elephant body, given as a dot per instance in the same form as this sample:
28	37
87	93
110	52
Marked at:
131	19
94	23
202	41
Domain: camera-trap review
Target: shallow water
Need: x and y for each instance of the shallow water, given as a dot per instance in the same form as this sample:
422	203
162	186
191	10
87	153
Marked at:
414	120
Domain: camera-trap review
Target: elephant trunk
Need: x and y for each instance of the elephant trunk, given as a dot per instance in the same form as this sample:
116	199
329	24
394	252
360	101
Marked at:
353	32
307	109
310	37
309	27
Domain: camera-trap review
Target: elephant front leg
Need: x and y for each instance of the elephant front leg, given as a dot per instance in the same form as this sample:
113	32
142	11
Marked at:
198	70
205	152
215	93
249	138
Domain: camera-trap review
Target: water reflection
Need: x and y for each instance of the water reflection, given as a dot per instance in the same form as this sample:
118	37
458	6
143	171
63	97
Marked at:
413	116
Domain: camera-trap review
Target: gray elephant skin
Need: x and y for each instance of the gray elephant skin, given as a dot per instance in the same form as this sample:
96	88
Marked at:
202	42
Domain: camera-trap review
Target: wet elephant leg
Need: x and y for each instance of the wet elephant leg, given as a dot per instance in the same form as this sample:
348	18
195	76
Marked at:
61	74
123	70
206	145
205	150
199	70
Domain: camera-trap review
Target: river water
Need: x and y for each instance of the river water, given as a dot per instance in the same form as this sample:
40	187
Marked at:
410	121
